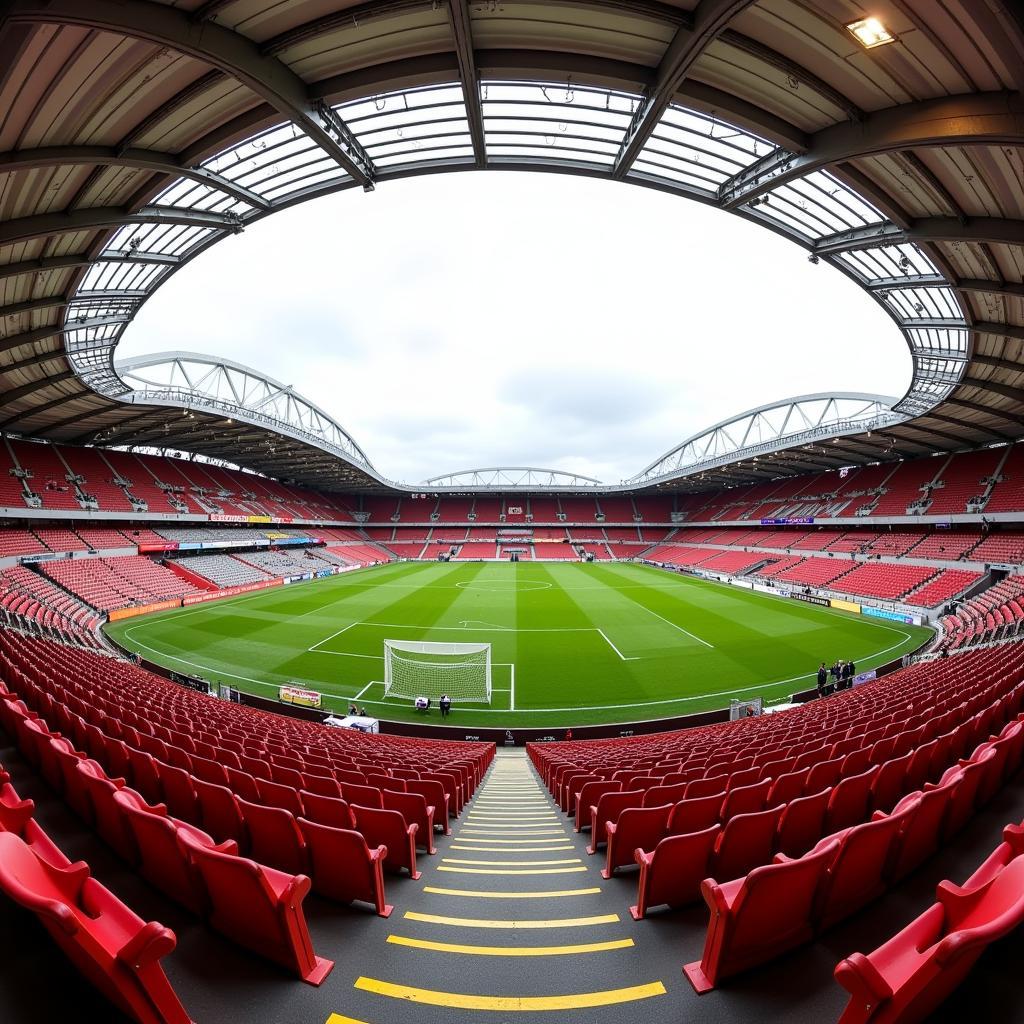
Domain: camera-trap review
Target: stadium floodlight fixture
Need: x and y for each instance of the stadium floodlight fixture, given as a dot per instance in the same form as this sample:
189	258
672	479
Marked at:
870	32
814	259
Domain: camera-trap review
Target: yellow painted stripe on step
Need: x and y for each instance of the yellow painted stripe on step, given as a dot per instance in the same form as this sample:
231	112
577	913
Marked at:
478	922
454	947
511	863
462	1001
336	1018
482	831
508	842
477	894
516	871
496	813
510	849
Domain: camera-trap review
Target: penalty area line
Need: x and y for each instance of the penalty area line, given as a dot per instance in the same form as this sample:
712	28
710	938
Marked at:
614	648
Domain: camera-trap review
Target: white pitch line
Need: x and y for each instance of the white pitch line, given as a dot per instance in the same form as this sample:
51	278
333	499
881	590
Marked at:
363	690
512	690
312	650
674	626
614	648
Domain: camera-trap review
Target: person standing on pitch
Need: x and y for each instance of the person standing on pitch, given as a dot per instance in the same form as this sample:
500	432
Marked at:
822	679
445	703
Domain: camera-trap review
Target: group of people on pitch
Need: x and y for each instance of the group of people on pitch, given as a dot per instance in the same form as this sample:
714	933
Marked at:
838	677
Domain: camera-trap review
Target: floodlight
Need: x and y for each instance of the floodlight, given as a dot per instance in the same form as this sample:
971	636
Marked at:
870	32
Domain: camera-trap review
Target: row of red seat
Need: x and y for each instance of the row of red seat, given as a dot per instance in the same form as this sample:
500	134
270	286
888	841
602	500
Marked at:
113	947
779	906
911	974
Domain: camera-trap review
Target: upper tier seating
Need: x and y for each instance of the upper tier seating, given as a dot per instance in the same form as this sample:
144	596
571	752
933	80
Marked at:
962	480
942	588
1008	494
1007	547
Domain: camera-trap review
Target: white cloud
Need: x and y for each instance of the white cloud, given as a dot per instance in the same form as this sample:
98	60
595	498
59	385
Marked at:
469	320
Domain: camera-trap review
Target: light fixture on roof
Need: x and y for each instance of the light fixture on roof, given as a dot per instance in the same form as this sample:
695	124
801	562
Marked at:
870	32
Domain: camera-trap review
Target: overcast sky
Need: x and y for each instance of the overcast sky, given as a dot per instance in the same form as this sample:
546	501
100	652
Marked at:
458	321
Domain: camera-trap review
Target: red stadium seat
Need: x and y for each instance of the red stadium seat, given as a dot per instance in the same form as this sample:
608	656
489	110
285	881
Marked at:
343	867
746	842
672	872
219	811
278	795
116	950
848	804
755	918
588	797
390	830
695	815
608	808
636	828
890	783
745	800
258	908
110	822
908	977
921	834
413	807
273	838
802	823
162	859
365	796
326	810
434	793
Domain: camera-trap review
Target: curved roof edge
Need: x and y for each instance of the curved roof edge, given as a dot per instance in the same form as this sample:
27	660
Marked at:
504	477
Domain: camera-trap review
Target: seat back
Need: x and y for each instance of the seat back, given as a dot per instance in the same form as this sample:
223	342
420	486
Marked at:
858	874
695	815
326	810
788	786
278	795
746	842
745	799
273	838
178	792
413	808
658	795
219	812
802	823
714	786
384	828
921	832
341	865
365	796
889	784
849	802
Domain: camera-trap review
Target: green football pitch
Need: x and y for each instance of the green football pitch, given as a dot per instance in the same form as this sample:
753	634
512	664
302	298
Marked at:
570	643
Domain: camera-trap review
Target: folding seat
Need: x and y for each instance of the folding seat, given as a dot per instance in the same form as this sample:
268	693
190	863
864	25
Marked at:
824	775
920	836
756	918
802	823
608	808
144	775
178	792
50	765
116	950
351	776
1009	849
848	804
115	758
883	750
909	976
636	828
715	786
75	793
284	776
94	742
256	767
588	797
452	782
242	784
809	758
324	785
745	800
695	815
388	829
365	796
385	784
964	803
31	734
918	771
178	758
16	817
889	785
569	790
433	792
219	811
855	762
657	795
746	842
415	810
277	795
161	858
258	908
405	773
209	771
273	838
788	787
326	810
110	822
745	777
672	872
857	875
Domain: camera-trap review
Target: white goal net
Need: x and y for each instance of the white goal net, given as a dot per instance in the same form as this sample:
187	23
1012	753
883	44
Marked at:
422	669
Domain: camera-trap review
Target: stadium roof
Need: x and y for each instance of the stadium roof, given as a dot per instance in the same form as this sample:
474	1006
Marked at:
135	134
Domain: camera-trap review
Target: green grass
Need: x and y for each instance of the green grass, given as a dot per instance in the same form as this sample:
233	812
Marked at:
589	643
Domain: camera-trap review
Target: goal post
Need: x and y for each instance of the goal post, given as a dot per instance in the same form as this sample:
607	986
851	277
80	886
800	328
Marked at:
418	668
